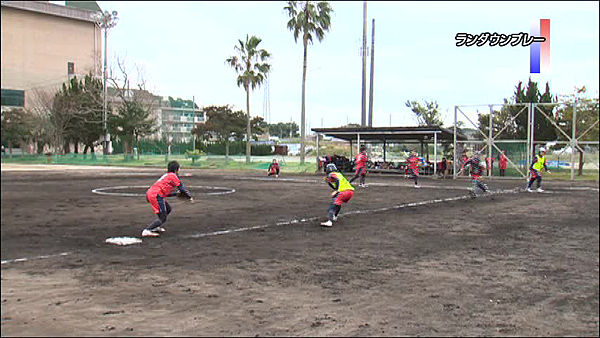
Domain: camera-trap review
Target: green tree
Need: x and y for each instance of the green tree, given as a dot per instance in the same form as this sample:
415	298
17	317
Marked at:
307	19
15	127
130	123
134	118
427	115
283	130
252	68
587	125
517	126
222	123
86	98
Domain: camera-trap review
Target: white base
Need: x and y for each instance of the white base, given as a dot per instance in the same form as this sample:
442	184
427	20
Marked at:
123	240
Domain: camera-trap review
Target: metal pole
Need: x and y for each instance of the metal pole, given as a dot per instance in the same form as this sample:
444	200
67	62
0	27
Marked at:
193	122
372	71
490	140
363	120
106	137
529	140
573	140
384	150
318	154
455	152
434	154
358	144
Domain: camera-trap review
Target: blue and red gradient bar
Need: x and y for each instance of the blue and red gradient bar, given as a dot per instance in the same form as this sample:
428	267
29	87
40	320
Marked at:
539	52
545	32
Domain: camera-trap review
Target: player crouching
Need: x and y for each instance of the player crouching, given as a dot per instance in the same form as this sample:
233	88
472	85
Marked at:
476	174
166	186
343	192
274	168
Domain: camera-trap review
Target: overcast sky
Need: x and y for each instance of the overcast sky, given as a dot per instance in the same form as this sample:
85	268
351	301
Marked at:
183	45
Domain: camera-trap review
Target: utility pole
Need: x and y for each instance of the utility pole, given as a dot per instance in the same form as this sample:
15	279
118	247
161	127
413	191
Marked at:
363	119
372	70
193	122
106	21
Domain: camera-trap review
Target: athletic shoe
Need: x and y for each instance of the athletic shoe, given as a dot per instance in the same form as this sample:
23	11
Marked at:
417	186
160	229
276	176
529	190
335	218
148	233
540	190
327	224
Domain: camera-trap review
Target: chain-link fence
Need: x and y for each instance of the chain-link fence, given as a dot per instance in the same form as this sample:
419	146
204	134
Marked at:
510	135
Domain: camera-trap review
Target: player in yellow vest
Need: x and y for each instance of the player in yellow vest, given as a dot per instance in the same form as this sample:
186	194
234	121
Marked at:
343	192
539	163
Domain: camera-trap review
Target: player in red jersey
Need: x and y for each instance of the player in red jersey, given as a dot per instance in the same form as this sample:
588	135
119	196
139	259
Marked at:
166	186
274	168
343	192
503	162
361	167
476	174
413	167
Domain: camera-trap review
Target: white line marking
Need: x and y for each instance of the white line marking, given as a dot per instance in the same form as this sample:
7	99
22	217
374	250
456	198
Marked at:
101	191
304	220
408	184
32	258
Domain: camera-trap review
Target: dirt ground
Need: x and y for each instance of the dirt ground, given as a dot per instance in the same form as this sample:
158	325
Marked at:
511	264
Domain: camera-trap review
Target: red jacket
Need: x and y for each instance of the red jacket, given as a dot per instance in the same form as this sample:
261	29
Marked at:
274	167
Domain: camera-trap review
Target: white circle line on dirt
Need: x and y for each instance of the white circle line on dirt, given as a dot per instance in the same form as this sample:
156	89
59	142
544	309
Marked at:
32	258
102	191
369	211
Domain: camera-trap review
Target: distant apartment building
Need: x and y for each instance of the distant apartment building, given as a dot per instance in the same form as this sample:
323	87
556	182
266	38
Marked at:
175	118
178	118
43	45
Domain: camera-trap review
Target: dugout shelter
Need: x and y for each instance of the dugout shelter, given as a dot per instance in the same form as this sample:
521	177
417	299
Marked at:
424	136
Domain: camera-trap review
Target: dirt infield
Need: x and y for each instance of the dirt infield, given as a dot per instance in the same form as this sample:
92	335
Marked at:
400	261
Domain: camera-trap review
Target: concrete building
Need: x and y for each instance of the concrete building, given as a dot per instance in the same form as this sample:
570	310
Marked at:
43	44
178	118
174	118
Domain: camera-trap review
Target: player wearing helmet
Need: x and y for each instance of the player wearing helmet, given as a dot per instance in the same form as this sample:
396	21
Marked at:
476	174
539	163
343	192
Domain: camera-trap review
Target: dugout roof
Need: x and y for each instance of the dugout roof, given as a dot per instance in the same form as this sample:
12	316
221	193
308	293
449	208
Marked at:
391	134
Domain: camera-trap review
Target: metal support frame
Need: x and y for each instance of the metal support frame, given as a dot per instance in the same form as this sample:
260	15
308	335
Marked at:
318	148
489	140
435	154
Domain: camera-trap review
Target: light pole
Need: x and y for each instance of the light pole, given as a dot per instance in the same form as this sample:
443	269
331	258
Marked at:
106	21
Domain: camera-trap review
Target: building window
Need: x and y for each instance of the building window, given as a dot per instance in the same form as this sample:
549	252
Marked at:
13	98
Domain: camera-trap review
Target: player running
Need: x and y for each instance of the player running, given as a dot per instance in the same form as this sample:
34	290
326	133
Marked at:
413	167
476	174
361	167
342	194
166	186
539	163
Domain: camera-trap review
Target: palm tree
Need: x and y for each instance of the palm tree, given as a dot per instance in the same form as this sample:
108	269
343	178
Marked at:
307	19
252	69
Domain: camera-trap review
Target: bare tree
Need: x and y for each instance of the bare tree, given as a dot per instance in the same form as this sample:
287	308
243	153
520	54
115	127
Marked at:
53	107
134	117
